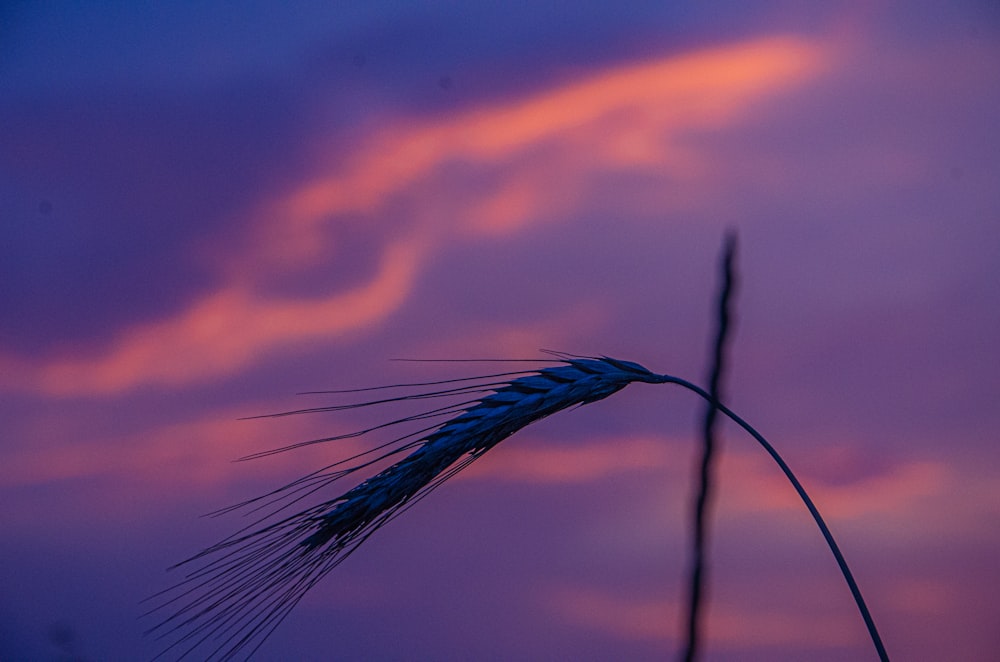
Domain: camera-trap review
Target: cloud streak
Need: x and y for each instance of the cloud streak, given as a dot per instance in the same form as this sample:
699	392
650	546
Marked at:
536	158
222	333
729	626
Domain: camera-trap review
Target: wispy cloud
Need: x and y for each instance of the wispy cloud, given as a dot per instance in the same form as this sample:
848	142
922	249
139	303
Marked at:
628	118
729	627
221	334
586	462
197	452
905	487
534	158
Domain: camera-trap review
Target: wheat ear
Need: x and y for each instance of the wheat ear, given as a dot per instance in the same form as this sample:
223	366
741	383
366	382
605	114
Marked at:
244	586
248	583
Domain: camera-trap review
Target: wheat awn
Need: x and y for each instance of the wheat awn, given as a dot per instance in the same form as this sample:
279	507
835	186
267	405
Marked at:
243	587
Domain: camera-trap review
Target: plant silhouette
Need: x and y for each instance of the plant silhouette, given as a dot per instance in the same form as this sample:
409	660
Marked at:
240	589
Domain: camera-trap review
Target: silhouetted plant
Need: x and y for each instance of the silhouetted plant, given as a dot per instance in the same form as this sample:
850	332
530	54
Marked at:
699	523
240	589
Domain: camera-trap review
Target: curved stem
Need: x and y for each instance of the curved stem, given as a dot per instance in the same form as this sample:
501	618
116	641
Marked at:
831	543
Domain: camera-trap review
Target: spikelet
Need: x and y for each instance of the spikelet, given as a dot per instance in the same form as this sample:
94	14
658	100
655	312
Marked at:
244	586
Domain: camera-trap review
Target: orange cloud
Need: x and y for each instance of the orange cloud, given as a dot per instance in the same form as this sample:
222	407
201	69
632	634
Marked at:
197	452
222	333
727	626
756	485
580	463
629	118
537	157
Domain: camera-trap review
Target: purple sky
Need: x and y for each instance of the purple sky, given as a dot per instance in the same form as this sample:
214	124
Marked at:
204	213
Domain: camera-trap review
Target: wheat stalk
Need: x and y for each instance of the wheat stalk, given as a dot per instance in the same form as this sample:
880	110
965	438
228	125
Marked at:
244	586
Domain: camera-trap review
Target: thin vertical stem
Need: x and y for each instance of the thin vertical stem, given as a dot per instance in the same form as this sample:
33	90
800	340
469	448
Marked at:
705	469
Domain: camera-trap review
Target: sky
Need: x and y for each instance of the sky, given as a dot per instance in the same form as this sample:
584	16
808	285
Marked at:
207	208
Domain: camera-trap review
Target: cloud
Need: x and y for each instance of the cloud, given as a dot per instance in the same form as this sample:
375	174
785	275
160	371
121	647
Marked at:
756	485
416	185
579	464
628	118
222	333
727	626
192	453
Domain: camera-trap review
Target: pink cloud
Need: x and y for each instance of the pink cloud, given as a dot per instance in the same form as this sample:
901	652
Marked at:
221	333
195	453
758	486
628	118
589	461
538	155
728	626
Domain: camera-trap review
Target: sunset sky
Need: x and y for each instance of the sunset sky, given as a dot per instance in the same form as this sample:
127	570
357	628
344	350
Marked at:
206	210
